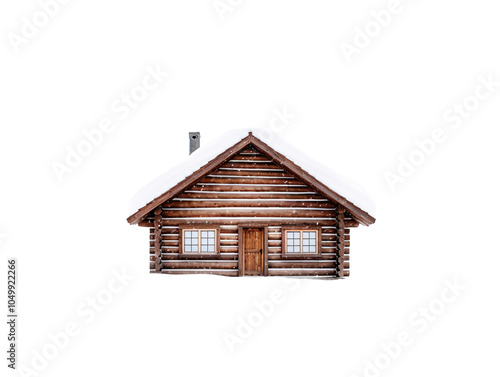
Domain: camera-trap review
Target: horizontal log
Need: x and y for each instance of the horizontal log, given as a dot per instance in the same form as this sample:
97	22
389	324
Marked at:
256	188
174	231
228	230
200	271
167	244
329	231
326	277
229	236
302	264
247	204
252	157
248	212
251	173
328	237
170	236
250	165
279	256
166	236
249	150
249	195
238	220
245	180
274	250
329	245
301	272
199	264
229	242
221	256
228	249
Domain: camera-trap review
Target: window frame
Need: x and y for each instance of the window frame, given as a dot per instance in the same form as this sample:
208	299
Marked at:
301	229
199	228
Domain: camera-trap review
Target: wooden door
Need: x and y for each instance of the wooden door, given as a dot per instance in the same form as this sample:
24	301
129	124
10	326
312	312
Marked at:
253	251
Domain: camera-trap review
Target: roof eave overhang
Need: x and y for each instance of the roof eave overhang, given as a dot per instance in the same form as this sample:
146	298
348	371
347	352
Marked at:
360	215
189	181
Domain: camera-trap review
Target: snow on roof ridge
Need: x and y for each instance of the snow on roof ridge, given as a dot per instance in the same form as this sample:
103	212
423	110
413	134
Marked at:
190	164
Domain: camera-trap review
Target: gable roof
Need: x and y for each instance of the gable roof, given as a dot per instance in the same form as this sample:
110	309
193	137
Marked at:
206	159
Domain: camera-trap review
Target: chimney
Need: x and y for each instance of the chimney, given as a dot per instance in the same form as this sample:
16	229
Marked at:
194	141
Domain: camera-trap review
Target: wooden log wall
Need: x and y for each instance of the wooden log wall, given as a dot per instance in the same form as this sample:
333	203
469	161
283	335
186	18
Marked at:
343	243
173	262
250	188
323	266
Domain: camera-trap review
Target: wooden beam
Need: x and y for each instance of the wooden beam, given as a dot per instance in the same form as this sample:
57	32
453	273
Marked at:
250	212
340	241
248	195
238	220
301	272
158	224
246	203
308	263
247	180
182	263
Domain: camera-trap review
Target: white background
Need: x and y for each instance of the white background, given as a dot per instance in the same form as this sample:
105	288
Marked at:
358	116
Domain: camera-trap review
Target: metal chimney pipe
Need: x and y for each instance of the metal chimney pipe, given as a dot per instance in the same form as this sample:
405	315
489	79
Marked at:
194	141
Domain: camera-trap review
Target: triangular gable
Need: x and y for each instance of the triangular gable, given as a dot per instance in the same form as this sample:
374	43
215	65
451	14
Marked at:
277	158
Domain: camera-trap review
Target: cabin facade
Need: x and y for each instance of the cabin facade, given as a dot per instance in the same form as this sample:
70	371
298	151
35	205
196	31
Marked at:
250	211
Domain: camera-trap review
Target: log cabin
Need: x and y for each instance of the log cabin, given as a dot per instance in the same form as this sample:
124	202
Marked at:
242	208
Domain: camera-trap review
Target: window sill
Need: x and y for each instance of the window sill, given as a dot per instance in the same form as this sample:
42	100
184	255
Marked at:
301	256
199	256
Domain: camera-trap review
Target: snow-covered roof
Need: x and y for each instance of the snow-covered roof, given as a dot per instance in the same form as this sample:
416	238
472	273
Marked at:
192	163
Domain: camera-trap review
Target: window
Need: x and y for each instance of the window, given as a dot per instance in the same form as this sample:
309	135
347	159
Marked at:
199	241
300	241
